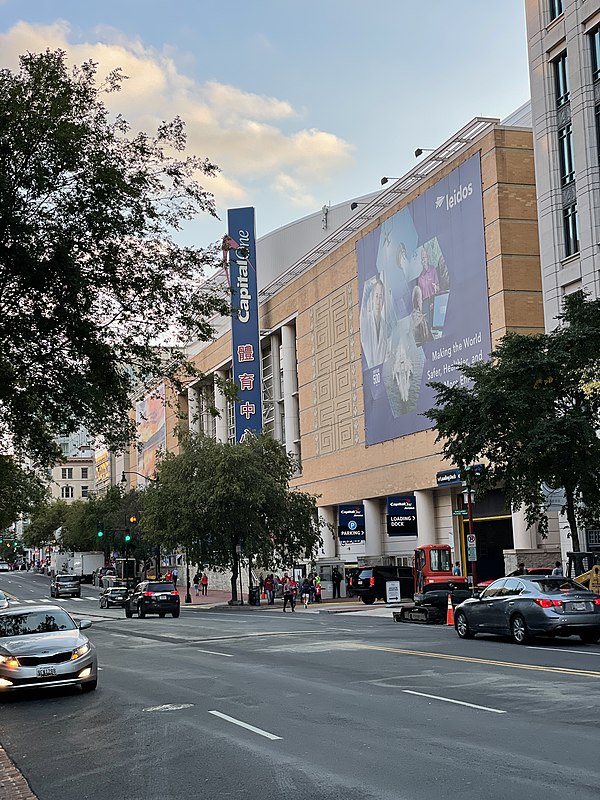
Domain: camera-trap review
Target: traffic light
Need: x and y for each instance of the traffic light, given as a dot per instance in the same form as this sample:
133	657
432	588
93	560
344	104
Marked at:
99	530
127	537
133	519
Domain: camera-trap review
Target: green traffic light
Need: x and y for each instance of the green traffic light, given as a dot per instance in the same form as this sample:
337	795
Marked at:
100	534
127	537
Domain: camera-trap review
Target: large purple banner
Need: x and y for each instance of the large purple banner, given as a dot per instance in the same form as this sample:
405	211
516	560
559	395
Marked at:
423	302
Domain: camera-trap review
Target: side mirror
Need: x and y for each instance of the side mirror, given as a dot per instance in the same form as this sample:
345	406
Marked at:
477	593
85	623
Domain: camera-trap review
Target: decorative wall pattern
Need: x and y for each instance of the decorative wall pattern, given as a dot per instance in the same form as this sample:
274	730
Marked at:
334	372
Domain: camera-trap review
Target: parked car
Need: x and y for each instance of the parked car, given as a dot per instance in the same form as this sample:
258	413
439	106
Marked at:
369	583
114	596
528	571
3	600
528	606
67	585
42	647
4	567
153	597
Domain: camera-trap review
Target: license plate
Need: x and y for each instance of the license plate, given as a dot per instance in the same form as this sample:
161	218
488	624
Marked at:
162	596
579	606
46	672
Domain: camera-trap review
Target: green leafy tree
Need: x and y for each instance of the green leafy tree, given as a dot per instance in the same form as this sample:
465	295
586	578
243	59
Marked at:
532	414
230	502
21	490
91	278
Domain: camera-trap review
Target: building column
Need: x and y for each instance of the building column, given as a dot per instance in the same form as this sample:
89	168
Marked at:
221	406
524	538
290	389
193	397
327	516
373	545
278	431
425	516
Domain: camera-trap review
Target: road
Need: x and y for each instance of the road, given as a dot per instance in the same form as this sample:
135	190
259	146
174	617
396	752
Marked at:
256	704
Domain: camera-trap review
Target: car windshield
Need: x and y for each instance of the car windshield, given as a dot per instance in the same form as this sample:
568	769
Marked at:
35	622
365	574
554	585
160	587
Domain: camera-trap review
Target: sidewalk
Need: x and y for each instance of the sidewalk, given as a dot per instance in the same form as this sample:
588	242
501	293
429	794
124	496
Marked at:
13	785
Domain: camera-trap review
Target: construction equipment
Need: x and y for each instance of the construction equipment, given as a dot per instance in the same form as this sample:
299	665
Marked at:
581	567
434	586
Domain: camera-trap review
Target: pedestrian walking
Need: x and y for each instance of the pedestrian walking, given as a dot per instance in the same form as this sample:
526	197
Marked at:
336	579
317	588
270	589
305	592
558	570
204	584
196	582
290	590
174	576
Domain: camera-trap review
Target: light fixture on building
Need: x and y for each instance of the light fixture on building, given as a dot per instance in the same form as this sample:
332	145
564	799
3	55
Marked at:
386	179
355	205
420	150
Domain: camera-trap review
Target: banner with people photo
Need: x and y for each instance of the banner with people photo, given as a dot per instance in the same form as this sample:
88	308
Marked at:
423	302
150	418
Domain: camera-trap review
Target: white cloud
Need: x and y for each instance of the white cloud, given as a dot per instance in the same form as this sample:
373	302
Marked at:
240	131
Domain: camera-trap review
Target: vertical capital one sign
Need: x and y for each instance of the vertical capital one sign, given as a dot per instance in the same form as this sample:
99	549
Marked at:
245	333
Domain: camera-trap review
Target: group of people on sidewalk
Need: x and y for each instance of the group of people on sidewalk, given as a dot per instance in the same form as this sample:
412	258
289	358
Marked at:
200	582
309	589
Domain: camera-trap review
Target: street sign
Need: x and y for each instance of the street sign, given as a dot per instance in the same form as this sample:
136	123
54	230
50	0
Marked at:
392	589
471	547
460	512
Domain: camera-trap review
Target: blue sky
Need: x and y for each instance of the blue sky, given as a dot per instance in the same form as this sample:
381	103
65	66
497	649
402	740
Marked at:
300	103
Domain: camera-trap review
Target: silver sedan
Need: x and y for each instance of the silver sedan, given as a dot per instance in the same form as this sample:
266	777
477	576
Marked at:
43	647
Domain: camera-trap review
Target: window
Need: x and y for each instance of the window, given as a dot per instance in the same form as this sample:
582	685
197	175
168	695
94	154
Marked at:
440	560
67	473
493	590
67	492
556	8
84	491
595	42
84	473
571	229
565	151
268	398
561	80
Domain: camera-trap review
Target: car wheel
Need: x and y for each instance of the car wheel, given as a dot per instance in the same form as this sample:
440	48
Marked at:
518	630
161	614
90	686
176	613
128	612
590	637
141	611
368	601
462	626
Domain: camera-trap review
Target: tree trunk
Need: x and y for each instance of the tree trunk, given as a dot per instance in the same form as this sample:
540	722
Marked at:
234	577
570	509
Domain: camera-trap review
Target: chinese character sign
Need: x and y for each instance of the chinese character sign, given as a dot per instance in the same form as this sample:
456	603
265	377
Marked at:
244	325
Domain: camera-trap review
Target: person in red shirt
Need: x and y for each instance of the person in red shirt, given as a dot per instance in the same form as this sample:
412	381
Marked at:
290	591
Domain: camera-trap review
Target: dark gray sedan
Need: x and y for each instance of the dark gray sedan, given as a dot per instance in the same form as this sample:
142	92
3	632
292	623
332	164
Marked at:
529	606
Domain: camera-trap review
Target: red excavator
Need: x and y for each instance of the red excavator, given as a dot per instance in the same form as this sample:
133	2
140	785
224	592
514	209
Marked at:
434	581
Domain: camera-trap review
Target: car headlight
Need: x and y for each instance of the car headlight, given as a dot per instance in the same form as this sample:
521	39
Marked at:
9	661
80	651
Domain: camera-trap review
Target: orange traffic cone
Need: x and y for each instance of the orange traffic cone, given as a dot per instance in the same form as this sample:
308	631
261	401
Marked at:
450	612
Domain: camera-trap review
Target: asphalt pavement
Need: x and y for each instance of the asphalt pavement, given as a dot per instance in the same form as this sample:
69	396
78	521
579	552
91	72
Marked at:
226	703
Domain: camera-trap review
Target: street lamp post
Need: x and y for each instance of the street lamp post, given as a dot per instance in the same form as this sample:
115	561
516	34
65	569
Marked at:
188	596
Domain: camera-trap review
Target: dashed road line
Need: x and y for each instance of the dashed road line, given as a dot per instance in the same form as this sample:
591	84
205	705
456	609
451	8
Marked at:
455	702
245	725
214	653
565	650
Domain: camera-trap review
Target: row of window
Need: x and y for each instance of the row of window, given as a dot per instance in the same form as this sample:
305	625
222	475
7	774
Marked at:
67	473
68	492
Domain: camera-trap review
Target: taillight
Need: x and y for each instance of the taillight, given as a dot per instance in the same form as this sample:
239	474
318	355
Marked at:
350	582
372	580
175	592
148	594
597	601
545	602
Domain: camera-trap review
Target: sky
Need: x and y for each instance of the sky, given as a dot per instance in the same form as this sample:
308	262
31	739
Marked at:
300	103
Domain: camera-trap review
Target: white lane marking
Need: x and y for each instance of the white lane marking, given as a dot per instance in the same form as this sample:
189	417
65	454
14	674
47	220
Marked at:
170	707
214	653
14	602
87	597
31	601
564	650
456	702
248	727
120	635
79	599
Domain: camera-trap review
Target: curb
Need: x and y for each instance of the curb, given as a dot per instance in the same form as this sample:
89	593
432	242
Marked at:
13	785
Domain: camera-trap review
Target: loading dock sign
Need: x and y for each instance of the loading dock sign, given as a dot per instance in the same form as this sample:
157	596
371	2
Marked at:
402	515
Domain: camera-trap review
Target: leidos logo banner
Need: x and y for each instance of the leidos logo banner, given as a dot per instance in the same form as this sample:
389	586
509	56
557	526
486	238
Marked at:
423	302
245	333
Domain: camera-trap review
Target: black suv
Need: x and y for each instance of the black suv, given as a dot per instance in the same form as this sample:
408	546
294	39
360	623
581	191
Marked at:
153	597
63	585
114	596
368	583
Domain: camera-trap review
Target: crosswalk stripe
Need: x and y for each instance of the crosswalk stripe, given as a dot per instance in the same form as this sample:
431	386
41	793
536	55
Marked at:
31	601
79	599
90	598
